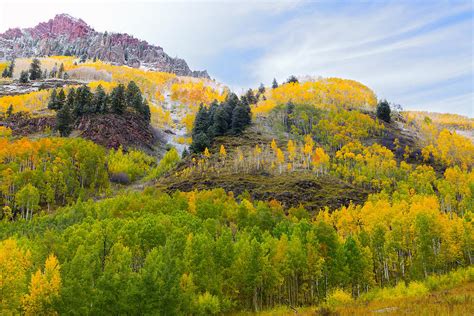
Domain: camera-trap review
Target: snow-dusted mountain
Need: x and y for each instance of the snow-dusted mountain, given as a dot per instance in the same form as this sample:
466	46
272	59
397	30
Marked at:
66	35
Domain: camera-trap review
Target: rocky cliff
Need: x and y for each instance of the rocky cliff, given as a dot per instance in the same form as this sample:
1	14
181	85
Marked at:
66	35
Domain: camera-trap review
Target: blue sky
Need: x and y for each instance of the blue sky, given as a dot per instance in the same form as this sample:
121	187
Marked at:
415	53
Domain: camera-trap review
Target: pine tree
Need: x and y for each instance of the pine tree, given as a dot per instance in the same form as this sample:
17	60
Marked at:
61	71
64	120
250	97
52	104
61	99
9	110
100	100
219	125
201	122
134	96
261	89
383	111
24	76
82	101
118	100
292	79
239	119
35	69
5	73
146	111
274	83
200	142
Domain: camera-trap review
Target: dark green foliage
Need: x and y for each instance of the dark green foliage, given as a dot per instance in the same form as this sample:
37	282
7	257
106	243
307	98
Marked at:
9	110
24	76
64	121
57	100
8	71
52	104
250	97
200	142
118	101
82	101
35	69
229	117
145	111
100	100
292	79
290	108
274	83
383	111
261	89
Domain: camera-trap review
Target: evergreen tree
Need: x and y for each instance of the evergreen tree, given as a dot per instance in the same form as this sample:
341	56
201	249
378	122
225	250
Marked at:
35	69
53	104
219	125
118	101
290	108
61	71
240	119
61	99
82	101
201	122
134	96
292	79
71	96
274	84
261	89
5	73
383	111
8	71
10	110
64	120
200	142
45	74
146	111
100	100
250	96
24	76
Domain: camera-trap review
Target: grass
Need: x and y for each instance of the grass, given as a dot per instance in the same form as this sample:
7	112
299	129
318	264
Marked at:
452	302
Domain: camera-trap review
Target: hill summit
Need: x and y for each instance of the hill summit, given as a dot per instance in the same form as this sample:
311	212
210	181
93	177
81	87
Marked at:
66	35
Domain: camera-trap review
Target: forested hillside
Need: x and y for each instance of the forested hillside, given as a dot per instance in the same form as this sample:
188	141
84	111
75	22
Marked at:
130	191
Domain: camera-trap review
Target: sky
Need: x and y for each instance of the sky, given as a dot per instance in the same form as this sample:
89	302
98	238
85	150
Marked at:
418	54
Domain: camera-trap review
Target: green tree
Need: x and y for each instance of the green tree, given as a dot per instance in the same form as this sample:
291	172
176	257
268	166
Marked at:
383	111
28	199
35	69
99	100
24	76
274	83
9	110
118	101
64	120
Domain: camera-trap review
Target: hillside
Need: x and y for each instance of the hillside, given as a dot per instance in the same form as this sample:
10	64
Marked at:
127	190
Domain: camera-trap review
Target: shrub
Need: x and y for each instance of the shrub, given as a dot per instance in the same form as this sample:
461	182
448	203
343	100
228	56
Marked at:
339	297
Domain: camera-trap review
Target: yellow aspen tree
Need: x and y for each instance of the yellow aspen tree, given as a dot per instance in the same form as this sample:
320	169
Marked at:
291	151
273	145
280	159
14	263
44	289
257	152
308	148
222	152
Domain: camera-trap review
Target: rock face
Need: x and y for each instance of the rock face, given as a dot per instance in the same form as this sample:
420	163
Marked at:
66	35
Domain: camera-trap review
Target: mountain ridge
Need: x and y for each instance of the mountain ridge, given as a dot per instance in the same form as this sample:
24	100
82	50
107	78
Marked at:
67	35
